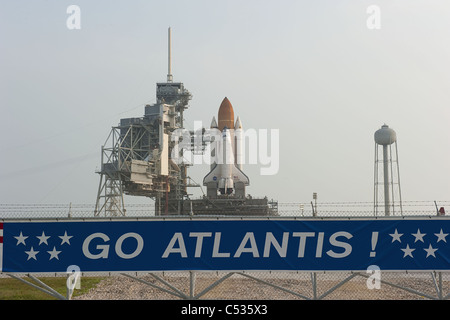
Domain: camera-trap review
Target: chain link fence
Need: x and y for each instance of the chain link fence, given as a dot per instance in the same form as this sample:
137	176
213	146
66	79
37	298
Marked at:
267	285
291	209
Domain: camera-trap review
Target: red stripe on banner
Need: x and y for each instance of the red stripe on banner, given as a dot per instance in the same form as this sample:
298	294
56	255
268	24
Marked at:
1	239
1	225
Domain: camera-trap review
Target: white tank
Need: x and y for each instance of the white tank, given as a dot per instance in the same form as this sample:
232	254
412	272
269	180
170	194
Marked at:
385	136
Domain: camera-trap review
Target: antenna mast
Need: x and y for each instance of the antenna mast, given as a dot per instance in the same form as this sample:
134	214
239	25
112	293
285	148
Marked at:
169	73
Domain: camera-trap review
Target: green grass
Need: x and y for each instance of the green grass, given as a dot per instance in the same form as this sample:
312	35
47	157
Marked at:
13	289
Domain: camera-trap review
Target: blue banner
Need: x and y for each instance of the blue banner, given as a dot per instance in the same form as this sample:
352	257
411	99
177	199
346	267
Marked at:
206	244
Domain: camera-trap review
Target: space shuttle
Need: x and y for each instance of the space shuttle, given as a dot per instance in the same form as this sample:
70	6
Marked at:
226	176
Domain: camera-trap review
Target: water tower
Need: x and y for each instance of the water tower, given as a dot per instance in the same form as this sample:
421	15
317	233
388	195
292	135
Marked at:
387	174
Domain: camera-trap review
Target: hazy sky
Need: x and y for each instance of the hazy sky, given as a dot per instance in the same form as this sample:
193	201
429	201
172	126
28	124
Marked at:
312	69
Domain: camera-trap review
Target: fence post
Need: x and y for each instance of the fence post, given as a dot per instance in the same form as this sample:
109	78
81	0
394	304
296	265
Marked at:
314	284
192	284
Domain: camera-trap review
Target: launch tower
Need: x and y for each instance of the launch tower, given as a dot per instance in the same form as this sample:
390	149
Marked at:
135	158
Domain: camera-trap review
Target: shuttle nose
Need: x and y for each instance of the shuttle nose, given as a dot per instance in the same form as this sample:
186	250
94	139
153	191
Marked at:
226	115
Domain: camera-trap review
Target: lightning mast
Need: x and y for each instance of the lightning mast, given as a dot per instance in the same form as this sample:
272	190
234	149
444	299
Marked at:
169	49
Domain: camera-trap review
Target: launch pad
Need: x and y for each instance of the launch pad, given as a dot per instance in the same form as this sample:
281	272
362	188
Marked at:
136	160
232	206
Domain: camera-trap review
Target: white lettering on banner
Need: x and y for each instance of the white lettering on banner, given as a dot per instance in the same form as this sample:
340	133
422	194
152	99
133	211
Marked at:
104	248
216	253
199	236
249	236
139	247
302	241
177	237
347	247
270	239
249	245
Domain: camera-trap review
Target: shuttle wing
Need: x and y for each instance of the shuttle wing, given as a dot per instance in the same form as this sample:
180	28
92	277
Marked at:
213	175
238	175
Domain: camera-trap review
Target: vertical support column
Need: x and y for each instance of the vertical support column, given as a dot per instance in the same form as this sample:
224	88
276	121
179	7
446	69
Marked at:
191	284
375	184
386	180
398	178
314	284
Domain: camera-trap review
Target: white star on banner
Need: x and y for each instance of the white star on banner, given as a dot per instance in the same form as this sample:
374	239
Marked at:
441	236
31	254
43	238
65	238
419	236
21	239
430	251
408	251
396	236
54	253
427	243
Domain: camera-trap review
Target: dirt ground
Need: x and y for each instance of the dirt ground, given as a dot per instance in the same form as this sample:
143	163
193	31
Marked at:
299	285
